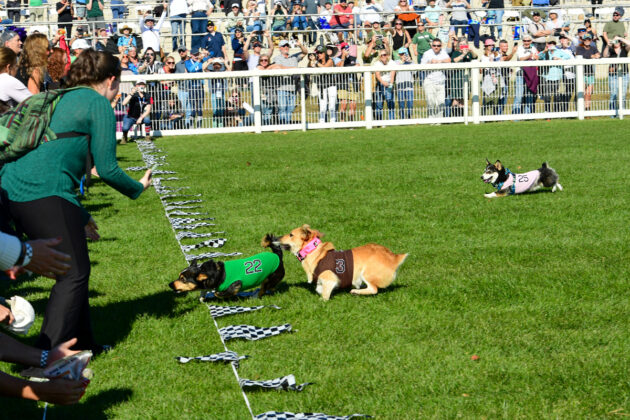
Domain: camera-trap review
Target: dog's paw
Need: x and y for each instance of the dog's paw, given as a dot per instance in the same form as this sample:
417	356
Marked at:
354	291
490	195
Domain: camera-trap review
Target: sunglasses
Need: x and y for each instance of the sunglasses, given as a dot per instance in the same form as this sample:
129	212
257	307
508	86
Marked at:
383	55
263	60
436	45
616	14
398	23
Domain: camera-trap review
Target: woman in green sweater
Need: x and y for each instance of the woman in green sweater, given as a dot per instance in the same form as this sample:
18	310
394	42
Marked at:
41	190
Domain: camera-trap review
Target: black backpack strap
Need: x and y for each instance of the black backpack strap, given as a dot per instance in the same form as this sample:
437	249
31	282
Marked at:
69	134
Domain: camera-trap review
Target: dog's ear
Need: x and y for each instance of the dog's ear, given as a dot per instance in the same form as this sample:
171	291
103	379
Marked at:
498	165
208	265
316	234
488	162
193	263
306	232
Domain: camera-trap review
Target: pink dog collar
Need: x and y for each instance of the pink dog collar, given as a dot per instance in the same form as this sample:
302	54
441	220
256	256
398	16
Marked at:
308	248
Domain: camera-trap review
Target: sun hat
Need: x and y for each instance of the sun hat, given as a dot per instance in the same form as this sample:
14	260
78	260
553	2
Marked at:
80	44
23	313
121	30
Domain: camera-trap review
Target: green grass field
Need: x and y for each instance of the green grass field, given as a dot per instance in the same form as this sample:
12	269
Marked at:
535	285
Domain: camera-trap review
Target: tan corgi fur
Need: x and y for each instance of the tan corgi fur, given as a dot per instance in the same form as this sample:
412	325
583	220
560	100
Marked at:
374	265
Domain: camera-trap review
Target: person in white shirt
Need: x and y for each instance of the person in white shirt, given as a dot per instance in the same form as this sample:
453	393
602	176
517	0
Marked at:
385	81
177	12
150	31
371	12
435	81
525	52
12	91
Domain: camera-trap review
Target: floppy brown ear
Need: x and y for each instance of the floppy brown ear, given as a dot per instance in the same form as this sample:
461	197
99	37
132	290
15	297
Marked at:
316	234
498	165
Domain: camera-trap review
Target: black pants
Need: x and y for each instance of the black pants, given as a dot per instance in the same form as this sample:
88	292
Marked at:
68	309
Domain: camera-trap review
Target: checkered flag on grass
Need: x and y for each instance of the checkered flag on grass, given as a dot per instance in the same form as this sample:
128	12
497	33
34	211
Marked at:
185	202
226	356
286	383
187	213
277	415
206	296
178	207
178	226
184	220
163	172
218	311
136	168
212	243
205	256
164	197
184	235
249	332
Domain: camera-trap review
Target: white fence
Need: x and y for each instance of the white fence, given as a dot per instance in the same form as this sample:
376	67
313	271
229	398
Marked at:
310	98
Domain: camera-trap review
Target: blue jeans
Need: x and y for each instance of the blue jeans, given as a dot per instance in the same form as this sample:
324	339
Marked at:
498	18
286	105
118	12
182	95
196	97
460	26
129	122
613	87
299	22
383	94
518	94
218	105
405	100
312	36
198	26
503	100
177	30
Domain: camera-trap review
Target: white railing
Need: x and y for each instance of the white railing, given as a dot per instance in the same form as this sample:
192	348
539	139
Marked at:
311	98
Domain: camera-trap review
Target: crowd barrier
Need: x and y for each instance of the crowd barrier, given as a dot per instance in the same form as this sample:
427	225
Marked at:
311	98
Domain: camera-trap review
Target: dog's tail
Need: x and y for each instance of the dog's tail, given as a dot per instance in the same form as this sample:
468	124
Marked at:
268	242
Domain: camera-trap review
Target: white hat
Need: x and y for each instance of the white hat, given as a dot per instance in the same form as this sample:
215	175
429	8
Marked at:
556	11
23	313
80	44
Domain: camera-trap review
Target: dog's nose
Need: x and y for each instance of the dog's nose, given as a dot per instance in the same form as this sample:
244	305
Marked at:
172	285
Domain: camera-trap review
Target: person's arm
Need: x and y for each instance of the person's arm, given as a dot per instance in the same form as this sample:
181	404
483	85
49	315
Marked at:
270	42
606	52
103	148
408	38
303	49
145	113
605	36
158	25
56	391
378	77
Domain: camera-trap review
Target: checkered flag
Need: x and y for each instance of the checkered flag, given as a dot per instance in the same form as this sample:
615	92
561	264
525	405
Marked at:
226	356
187	213
183	203
218	311
184	235
206	296
178	226
163	172
249	332
136	168
207	255
182	221
286	383
212	243
277	415
169	208
164	197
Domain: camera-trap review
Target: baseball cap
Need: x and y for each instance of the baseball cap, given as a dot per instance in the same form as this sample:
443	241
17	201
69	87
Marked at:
403	50
555	12
551	40
587	36
284	43
194	51
149	17
344	45
182	49
210	23
535	13
320	49
581	29
619	10
140	82
526	36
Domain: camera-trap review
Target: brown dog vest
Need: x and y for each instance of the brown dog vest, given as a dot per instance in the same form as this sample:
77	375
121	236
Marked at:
339	262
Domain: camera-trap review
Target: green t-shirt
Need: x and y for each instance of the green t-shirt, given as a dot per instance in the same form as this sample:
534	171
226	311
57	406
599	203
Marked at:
55	168
614	29
250	271
95	11
423	42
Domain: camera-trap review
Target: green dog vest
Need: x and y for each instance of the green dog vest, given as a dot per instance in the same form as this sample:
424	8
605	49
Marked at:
251	271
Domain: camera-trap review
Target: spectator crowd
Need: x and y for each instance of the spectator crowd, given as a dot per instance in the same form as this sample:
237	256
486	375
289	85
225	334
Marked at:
237	35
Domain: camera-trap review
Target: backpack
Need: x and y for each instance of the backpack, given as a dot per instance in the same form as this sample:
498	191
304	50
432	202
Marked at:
27	125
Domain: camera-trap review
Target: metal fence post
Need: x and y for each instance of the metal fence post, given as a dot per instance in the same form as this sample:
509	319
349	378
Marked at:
579	90
303	102
257	105
620	94
476	110
367	91
466	87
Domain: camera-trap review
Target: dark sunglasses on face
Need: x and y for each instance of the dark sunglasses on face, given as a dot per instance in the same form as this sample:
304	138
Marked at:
436	45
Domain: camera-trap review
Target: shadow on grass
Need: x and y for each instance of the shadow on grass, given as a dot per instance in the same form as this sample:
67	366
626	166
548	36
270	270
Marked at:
91	407
389	289
113	322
